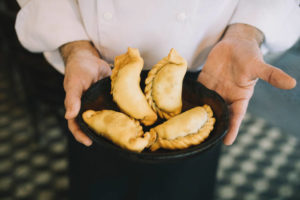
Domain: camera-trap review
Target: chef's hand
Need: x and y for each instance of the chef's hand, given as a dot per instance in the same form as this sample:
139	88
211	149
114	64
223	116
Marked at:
232	69
83	67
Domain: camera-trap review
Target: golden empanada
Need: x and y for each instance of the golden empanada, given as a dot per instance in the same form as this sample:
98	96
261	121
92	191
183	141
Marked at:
125	87
119	128
164	85
186	129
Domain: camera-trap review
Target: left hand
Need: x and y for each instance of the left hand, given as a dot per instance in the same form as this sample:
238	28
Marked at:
232	69
83	68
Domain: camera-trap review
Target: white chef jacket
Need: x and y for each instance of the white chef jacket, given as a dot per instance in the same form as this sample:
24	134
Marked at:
192	27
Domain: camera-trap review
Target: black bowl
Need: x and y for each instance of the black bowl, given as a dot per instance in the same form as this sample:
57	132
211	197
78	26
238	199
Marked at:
98	97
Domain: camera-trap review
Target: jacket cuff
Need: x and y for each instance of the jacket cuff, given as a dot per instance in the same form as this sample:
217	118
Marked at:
277	20
44	26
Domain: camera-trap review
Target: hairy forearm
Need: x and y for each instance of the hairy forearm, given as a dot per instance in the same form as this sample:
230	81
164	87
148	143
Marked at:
244	31
78	48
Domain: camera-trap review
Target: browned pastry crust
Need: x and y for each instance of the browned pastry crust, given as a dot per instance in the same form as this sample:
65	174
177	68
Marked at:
164	85
125	87
119	128
188	140
148	93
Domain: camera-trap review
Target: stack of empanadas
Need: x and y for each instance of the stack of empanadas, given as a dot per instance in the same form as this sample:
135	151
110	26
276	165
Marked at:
162	96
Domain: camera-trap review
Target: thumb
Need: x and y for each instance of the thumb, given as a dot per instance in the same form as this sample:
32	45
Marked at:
72	102
275	77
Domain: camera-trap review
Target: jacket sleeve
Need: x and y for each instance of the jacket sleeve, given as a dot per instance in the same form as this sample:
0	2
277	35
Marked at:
45	25
279	21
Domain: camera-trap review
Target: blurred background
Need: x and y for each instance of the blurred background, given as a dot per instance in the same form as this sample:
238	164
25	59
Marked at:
264	162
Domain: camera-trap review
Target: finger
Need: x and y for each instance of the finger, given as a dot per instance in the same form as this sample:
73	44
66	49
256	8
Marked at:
237	111
78	134
275	77
104	73
73	101
106	69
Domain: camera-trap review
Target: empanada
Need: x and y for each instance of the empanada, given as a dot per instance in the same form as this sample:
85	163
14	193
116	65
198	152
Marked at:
186	129
119	128
125	87
164	85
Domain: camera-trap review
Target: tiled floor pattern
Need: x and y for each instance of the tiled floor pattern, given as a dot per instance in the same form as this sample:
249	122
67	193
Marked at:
264	163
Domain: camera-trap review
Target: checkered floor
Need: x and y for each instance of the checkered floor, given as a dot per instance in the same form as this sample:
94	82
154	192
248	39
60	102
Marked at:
264	163
32	166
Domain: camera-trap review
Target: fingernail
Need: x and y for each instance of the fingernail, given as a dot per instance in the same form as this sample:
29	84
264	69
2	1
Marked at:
227	143
88	143
295	82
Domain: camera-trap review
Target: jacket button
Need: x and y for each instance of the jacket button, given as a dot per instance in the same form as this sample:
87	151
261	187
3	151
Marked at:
107	16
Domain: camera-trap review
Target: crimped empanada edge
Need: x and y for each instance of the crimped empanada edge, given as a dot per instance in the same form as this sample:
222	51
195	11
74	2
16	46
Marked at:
141	137
149	137
148	91
188	140
116	68
113	77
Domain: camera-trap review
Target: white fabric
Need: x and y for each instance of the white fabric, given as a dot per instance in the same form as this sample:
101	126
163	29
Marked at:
22	2
279	20
192	27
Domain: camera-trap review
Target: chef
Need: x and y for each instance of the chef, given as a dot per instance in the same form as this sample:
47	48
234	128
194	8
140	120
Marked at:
224	39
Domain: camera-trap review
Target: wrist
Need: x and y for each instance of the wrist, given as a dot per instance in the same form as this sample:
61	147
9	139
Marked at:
244	32
73	50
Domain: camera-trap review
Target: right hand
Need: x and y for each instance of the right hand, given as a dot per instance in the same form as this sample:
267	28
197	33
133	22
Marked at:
232	69
83	68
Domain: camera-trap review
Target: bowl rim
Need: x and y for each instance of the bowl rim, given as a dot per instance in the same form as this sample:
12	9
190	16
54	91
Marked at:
146	156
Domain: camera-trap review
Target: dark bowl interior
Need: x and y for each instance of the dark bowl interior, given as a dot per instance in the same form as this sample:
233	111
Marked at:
98	97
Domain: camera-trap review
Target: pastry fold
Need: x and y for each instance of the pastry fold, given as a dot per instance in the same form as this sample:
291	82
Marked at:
119	128
163	88
184	130
125	87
